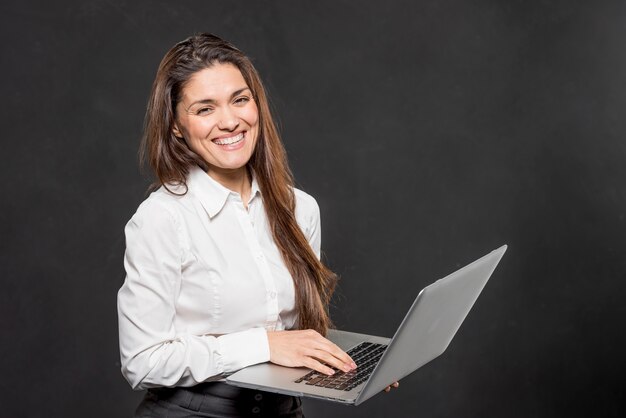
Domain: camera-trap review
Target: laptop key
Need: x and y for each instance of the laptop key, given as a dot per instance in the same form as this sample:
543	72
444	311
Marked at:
315	380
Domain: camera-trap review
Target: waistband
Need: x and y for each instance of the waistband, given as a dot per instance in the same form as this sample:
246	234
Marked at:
228	400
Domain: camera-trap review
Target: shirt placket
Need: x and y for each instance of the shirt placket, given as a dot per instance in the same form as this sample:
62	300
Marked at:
247	220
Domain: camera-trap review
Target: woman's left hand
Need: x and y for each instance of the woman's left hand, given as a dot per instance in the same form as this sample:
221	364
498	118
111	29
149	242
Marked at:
393	385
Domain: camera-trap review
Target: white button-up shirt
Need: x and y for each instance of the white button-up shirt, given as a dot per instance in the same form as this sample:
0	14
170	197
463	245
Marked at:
204	281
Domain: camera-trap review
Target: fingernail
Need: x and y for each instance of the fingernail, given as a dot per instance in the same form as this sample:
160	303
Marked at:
353	365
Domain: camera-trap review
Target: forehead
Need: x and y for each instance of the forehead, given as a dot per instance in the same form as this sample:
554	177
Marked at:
215	82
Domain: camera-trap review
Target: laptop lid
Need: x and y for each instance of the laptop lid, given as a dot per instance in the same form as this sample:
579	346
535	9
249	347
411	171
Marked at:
431	323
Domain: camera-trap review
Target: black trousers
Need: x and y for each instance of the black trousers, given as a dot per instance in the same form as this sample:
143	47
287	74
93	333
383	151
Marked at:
216	400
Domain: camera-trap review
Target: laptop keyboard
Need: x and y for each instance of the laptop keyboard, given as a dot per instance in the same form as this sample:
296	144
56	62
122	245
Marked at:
365	355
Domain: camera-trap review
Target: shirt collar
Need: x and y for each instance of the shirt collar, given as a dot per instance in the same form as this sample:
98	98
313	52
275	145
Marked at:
254	189
213	195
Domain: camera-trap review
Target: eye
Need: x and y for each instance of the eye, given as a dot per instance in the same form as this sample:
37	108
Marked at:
241	100
203	111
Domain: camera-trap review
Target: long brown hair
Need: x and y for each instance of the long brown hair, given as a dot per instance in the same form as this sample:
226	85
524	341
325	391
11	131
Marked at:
171	159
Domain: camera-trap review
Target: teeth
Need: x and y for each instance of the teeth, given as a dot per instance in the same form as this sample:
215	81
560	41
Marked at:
229	141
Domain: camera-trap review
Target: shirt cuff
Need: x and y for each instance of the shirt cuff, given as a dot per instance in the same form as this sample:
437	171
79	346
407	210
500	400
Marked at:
244	348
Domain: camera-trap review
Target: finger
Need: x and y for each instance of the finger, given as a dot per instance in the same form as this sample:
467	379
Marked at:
322	343
330	347
387	389
330	360
311	363
396	384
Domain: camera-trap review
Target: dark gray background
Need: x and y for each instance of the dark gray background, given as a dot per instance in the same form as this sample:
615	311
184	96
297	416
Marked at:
430	132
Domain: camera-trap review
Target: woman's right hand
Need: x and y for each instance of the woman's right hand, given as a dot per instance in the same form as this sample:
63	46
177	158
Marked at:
307	348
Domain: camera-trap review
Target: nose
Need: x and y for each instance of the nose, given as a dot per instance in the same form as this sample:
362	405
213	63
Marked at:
228	120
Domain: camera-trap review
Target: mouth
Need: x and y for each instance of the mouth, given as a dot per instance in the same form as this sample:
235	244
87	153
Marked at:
229	140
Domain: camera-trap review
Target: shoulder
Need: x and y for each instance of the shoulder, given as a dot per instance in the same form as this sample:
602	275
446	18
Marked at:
308	217
306	204
161	207
307	211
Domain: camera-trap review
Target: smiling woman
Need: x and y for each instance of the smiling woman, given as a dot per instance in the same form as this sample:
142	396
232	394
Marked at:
222	259
219	120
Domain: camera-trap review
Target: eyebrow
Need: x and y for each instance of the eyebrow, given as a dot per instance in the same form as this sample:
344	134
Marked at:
211	101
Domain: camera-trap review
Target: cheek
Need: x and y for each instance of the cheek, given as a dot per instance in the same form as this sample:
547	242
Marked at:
194	135
251	115
200	128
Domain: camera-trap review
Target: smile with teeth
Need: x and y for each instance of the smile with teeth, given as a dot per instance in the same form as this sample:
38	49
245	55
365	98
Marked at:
229	141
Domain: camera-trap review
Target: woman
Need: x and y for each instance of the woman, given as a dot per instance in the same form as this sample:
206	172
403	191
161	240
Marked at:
222	260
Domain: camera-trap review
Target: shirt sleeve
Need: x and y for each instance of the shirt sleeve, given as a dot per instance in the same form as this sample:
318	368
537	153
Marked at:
153	352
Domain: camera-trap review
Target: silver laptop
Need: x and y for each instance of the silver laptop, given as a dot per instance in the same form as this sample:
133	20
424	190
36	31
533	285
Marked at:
424	334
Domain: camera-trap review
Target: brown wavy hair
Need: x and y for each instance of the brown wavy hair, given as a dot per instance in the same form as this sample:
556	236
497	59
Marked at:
171	159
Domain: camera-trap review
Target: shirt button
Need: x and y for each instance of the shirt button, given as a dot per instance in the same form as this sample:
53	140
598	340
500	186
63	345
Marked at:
273	295
256	410
260	256
258	397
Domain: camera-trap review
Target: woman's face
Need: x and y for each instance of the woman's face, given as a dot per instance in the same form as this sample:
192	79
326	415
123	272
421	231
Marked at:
218	118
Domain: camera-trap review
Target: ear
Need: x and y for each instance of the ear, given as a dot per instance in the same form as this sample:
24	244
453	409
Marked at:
177	133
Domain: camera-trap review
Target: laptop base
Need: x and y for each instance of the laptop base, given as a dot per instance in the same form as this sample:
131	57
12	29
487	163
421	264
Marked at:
278	379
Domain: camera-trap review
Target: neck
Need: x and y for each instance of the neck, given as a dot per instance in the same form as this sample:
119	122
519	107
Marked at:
239	181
